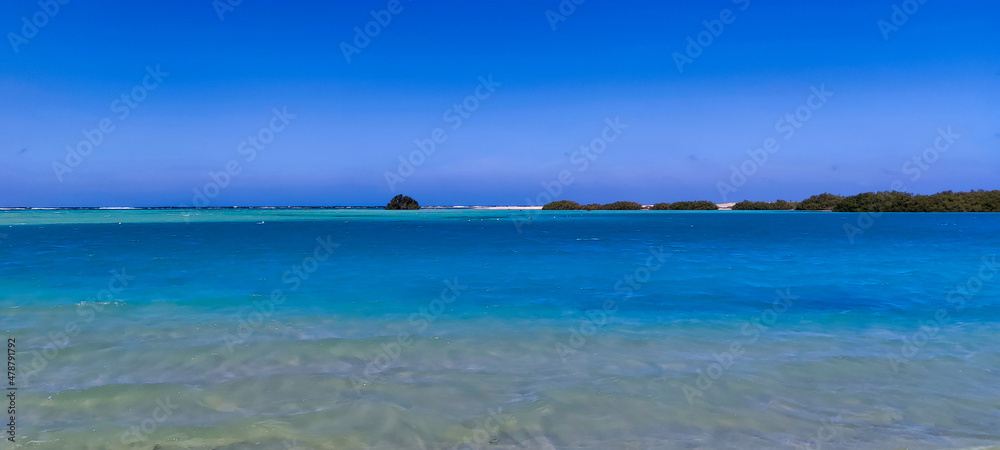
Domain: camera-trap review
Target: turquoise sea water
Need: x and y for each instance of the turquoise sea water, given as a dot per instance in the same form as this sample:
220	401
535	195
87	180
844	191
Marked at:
346	329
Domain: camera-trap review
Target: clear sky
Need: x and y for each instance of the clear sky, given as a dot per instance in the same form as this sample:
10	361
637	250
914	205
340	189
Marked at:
179	92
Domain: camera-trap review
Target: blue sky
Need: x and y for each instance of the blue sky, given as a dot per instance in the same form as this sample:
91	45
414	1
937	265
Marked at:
554	89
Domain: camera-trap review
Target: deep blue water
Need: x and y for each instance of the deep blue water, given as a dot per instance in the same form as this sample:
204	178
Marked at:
437	329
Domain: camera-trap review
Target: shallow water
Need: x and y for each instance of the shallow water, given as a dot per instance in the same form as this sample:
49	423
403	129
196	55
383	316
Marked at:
484	329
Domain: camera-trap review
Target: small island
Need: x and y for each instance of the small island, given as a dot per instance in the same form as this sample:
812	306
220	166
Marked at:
402	202
567	205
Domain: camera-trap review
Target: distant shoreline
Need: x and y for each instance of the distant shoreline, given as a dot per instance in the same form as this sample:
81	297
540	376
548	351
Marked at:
722	207
867	202
158	208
